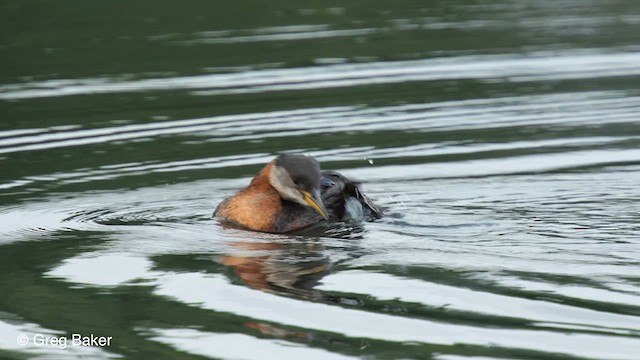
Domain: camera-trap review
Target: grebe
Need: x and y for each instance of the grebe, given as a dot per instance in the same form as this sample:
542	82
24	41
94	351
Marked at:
291	193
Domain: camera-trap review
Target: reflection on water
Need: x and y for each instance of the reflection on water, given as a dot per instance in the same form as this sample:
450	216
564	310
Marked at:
282	268
502	138
535	67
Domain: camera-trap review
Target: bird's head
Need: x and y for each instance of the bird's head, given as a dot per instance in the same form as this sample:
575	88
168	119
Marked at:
297	179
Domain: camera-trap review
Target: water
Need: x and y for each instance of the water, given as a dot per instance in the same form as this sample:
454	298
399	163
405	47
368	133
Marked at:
502	137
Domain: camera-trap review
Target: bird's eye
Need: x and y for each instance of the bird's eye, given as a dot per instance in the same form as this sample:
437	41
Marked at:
297	182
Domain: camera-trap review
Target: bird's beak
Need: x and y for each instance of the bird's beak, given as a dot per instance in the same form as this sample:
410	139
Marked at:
315	201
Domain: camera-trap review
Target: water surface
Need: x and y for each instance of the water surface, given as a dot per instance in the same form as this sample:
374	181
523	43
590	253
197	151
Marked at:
502	137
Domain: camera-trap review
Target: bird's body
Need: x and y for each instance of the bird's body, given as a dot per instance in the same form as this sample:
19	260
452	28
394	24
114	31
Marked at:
291	193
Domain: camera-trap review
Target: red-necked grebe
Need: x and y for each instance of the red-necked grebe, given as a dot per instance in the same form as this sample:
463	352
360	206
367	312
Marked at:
291	193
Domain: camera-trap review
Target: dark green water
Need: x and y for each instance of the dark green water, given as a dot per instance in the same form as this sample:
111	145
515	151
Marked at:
502	136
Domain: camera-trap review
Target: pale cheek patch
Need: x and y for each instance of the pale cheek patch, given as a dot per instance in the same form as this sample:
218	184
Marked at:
281	180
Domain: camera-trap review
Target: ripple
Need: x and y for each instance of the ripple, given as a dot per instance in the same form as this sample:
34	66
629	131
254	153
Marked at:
105	211
238	346
541	66
285	33
571	109
20	223
213	292
388	287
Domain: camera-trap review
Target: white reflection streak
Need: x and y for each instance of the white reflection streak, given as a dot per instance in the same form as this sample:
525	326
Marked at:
15	183
284	36
389	287
574	291
483	113
486	167
350	153
104	270
239	346
214	292
92	136
542	66
18	132
428	122
499	166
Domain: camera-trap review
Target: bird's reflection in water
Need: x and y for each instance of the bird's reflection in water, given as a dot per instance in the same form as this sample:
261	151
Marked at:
290	266
291	269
